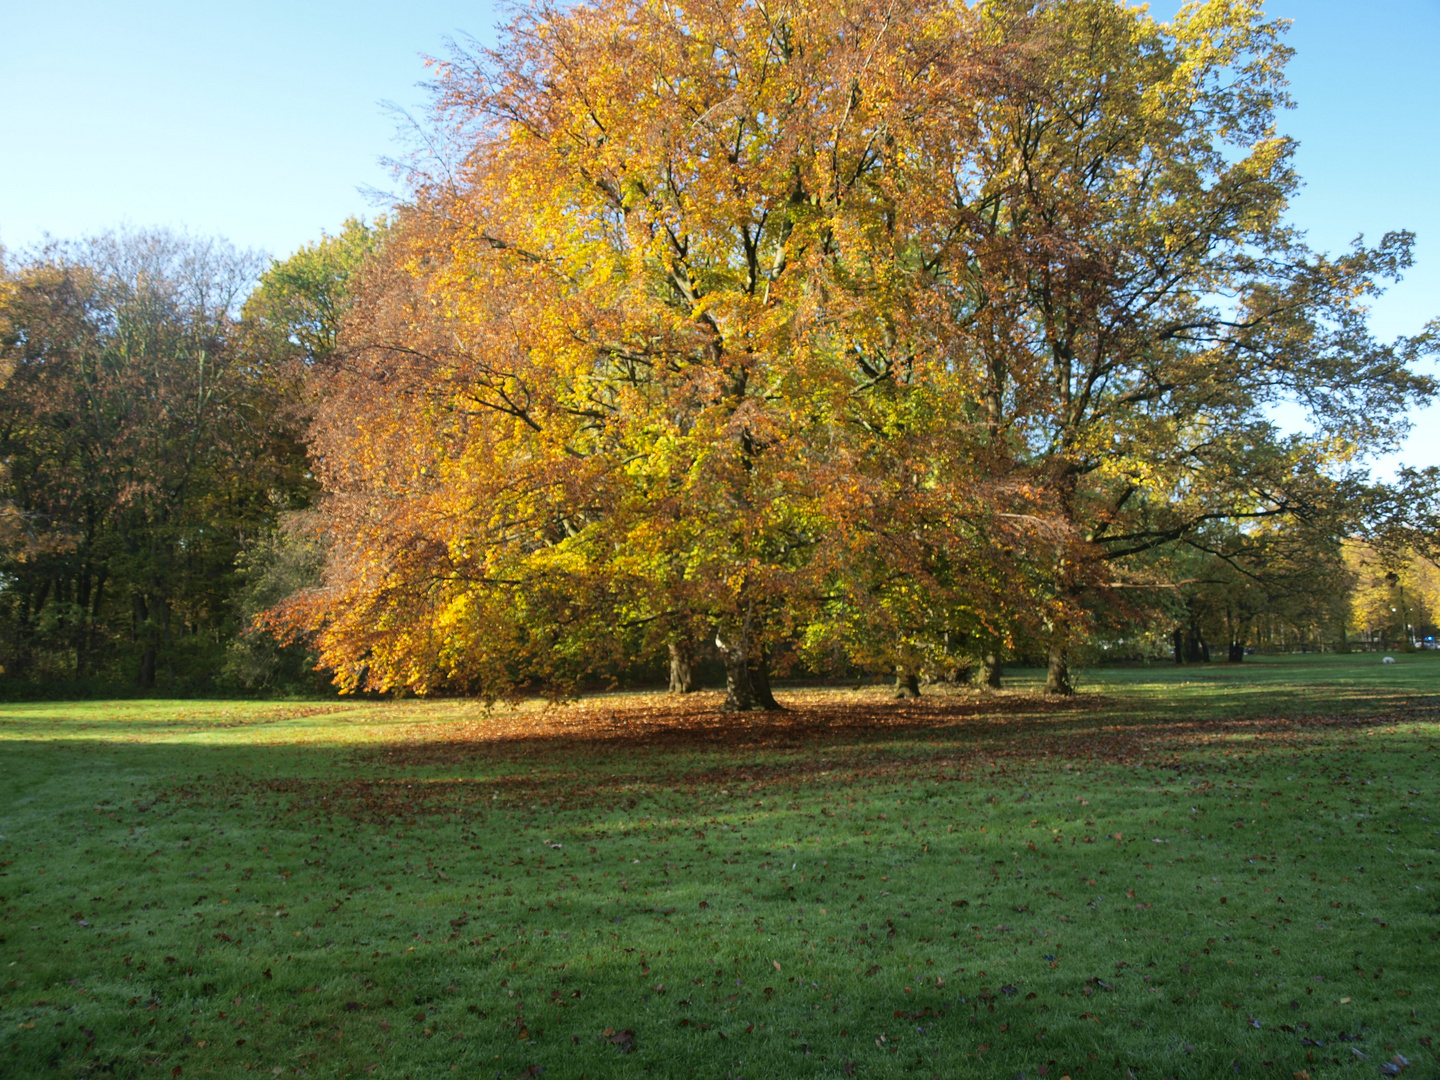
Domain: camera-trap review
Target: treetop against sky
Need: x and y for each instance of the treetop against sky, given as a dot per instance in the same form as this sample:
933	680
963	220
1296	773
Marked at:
269	124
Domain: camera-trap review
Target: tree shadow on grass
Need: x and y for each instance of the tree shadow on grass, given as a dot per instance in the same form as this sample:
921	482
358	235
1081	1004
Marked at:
608	752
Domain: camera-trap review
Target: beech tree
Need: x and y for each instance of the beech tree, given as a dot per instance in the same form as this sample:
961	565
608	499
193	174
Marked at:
292	319
830	327
1396	596
1402	519
654	343
300	301
1230	585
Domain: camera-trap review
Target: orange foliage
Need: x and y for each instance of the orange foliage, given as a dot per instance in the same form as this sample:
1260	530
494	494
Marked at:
843	329
675	348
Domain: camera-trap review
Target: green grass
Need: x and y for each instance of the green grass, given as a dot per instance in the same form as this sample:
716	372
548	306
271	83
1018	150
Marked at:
1185	872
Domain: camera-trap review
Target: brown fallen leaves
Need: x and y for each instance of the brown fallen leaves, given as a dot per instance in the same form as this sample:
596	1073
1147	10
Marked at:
625	1039
541	756
1008	726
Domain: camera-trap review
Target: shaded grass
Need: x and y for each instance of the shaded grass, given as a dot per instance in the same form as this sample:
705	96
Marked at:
1185	872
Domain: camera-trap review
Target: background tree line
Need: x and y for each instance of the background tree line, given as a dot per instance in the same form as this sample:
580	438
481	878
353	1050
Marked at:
817	338
151	429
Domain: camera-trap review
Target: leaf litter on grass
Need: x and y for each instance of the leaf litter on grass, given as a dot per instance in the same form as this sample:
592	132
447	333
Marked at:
536	879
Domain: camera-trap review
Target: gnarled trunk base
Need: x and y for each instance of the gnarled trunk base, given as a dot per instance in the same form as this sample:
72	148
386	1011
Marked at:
682	668
747	677
760	681
907	683
990	672
1057	678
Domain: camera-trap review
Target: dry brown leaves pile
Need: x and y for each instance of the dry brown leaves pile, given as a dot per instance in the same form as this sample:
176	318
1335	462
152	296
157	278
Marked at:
612	749
1010	726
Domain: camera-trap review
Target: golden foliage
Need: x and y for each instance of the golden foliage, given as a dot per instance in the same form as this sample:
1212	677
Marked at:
849	328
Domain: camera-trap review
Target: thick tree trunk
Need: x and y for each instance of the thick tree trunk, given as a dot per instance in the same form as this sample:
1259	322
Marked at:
1190	646
739	694
1237	652
907	682
145	678
1057	679
760	680
747	676
990	670
682	667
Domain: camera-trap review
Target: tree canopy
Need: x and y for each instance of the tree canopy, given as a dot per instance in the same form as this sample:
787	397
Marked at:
798	337
837	333
129	426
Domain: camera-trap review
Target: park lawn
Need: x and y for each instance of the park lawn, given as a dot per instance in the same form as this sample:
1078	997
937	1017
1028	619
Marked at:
1184	872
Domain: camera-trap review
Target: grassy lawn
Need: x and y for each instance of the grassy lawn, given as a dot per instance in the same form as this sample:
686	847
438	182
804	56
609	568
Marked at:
1193	872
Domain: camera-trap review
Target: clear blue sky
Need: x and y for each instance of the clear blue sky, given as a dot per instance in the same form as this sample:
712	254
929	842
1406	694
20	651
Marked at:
260	122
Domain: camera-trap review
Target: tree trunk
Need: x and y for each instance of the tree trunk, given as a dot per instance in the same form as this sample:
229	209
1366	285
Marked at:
1190	646
166	638
82	629
1237	652
145	677
739	694
907	682
682	667
1057	679
93	619
760	680
990	672
747	677
33	611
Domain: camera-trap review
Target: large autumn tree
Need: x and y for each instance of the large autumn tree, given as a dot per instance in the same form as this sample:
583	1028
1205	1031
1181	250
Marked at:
657	358
845	325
